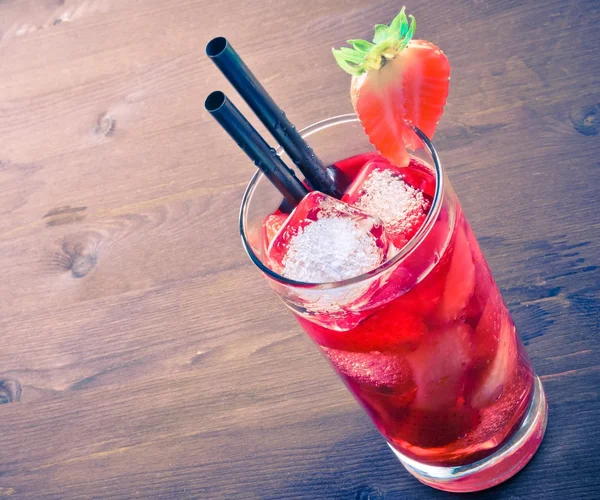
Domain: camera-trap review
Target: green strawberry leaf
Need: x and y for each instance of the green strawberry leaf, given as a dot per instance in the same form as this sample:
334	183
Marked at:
398	25
341	59
410	32
361	45
381	31
405	26
352	55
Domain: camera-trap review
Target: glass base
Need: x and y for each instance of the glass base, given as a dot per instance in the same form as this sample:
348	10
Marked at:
498	467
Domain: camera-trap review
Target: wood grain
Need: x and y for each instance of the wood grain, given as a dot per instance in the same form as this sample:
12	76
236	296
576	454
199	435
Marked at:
142	355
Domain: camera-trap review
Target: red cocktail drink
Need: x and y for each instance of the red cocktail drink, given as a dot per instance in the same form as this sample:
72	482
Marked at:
419	334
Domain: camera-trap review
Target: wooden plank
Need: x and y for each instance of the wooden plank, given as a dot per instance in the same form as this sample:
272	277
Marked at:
145	354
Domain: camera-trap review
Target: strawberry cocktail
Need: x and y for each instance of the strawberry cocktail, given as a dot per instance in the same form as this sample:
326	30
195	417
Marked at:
423	340
375	257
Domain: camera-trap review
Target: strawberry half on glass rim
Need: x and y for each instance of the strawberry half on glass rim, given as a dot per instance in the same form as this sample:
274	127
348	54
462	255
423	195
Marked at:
397	82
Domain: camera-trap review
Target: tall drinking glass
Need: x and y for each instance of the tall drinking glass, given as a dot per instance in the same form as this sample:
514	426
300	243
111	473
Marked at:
424	342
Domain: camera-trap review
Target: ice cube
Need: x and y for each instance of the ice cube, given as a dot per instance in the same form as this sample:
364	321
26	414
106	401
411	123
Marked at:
384	190
439	366
326	240
496	378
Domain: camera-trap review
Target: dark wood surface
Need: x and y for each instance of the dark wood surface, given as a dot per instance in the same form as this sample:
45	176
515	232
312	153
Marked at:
142	355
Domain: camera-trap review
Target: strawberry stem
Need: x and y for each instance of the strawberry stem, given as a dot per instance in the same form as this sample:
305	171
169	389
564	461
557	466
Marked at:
388	42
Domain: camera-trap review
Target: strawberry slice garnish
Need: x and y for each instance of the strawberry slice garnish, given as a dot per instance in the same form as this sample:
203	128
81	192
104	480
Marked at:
397	82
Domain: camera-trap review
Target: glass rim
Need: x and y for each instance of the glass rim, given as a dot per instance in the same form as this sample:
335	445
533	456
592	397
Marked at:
404	252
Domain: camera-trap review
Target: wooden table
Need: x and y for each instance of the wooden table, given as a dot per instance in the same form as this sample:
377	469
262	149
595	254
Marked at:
143	356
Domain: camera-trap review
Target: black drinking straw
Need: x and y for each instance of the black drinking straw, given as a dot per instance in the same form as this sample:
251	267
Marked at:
263	156
327	180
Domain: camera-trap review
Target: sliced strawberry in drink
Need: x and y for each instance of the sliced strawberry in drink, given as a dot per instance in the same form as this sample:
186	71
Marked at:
483	290
460	279
473	243
487	333
389	329
440	365
423	298
376	369
397	82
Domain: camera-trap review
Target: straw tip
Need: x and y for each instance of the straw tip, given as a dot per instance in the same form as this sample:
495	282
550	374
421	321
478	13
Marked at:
216	46
214	101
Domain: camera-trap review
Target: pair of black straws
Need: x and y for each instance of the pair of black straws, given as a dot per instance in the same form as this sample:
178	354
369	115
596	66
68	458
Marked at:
328	180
